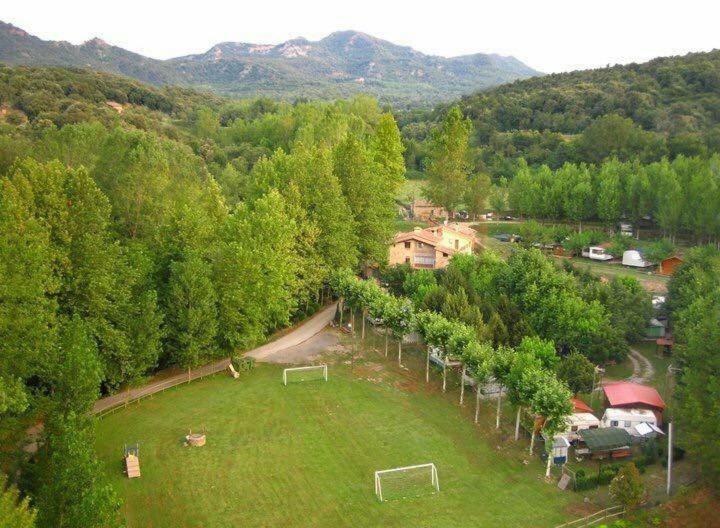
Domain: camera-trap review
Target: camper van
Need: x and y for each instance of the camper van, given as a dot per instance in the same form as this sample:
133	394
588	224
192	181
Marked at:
596	253
577	422
634	259
631	420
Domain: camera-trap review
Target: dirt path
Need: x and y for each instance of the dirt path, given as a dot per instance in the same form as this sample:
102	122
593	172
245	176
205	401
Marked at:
643	370
297	343
276	350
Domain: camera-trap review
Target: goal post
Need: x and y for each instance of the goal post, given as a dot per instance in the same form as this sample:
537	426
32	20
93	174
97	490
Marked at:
406	481
312	372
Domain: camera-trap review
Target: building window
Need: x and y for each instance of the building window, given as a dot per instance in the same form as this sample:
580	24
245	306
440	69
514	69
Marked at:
407	245
574	428
614	423
457	243
420	245
628	424
445	254
407	260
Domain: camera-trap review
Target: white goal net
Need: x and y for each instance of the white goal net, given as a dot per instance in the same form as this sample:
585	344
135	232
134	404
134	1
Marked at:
311	373
406	482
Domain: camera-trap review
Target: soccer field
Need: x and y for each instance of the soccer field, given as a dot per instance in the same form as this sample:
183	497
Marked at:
305	455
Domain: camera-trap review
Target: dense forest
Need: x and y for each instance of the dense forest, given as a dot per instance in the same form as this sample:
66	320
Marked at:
666	107
166	230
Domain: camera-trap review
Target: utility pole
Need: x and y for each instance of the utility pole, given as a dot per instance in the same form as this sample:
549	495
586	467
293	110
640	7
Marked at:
669	457
596	371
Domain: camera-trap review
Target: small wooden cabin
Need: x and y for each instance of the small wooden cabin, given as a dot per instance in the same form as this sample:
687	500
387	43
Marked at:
669	265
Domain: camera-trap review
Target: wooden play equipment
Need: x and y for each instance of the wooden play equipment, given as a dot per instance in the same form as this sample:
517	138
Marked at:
132	460
195	439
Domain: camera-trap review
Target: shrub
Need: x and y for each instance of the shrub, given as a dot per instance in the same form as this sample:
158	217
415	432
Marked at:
243	364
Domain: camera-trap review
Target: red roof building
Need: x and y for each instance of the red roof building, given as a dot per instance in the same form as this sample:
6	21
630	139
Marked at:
625	394
580	406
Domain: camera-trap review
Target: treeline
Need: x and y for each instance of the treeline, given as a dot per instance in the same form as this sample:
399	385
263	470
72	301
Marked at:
682	194
666	107
528	295
121	252
694	304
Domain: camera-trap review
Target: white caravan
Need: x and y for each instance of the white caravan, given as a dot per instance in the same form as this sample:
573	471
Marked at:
630	420
577	422
596	253
634	259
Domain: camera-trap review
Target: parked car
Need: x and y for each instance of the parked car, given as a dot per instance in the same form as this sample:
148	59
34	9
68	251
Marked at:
506	237
596	253
626	229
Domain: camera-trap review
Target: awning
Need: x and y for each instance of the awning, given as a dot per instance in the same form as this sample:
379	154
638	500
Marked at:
646	428
605	438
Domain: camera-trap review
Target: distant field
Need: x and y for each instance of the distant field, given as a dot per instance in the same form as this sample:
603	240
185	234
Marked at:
411	190
304	455
650	281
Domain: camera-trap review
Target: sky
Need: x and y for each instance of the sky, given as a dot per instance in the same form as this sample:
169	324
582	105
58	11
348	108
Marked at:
550	35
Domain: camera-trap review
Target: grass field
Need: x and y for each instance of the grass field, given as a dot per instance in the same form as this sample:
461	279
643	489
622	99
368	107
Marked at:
304	455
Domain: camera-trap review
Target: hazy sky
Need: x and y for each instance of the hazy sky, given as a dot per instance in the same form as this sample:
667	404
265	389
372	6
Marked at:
550	35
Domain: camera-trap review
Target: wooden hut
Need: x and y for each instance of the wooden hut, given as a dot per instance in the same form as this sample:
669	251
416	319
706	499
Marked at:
669	265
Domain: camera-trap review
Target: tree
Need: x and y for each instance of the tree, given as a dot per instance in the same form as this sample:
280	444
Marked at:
448	166
14	512
398	316
627	487
698	331
551	401
192	312
609	196
256	271
477	194
577	372
27	306
75	372
73	493
369	197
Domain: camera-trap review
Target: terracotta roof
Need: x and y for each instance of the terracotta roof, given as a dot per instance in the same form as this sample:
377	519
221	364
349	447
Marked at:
581	406
426	236
422	236
627	393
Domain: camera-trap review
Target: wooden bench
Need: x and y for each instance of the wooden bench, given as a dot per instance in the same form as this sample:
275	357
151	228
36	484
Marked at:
132	466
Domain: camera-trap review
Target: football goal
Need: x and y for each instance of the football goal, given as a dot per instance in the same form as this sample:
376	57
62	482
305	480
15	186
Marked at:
311	373
404	482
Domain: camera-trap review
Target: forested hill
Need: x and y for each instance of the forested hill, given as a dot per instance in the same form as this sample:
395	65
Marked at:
341	64
668	94
666	107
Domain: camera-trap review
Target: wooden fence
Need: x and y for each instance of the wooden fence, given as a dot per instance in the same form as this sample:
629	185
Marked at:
111	404
595	518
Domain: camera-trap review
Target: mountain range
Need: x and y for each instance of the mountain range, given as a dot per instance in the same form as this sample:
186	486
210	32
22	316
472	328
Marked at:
341	64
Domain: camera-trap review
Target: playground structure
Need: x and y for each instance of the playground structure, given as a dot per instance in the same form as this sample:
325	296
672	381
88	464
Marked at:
195	439
131	454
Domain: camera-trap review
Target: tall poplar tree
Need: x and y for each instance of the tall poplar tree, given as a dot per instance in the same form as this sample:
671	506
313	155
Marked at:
449	163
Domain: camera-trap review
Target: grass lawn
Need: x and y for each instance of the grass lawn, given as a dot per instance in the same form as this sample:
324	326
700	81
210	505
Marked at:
304	455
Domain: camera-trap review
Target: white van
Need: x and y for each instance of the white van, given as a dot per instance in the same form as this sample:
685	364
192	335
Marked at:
596	253
630	420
